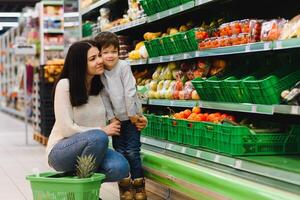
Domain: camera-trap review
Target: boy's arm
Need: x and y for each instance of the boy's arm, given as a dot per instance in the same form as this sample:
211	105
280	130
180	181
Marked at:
108	105
129	85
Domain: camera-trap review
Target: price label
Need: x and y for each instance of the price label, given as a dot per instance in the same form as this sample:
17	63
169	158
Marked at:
199	2
160	59
143	140
181	8
169	146
183	149
266	46
185	56
294	110
158	15
238	164
172	103
254	109
170	12
171	57
278	44
217	158
247	48
197	53
198	155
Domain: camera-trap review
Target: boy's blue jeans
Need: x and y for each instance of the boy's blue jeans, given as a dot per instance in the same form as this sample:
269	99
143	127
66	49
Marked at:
129	145
63	156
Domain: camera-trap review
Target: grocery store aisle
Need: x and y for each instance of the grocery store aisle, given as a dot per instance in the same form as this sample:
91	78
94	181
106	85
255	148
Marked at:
18	160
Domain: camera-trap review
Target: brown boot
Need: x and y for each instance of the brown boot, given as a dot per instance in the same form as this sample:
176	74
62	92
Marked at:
125	189
138	185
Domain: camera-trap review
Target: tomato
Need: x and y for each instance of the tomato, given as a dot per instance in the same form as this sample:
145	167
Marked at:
196	110
187	113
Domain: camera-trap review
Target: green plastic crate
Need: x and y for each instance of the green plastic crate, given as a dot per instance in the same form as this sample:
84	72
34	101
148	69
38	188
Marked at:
173	3
169	45
162	5
146	7
147	131
193	134
185	1
65	188
201	88
150	51
216	89
235	90
240	140
157	46
181	41
191	39
267	90
175	130
209	132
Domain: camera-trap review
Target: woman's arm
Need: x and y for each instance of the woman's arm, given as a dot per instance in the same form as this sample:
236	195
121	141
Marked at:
64	111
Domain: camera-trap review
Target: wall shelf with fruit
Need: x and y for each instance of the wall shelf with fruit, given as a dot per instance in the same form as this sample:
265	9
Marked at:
189	51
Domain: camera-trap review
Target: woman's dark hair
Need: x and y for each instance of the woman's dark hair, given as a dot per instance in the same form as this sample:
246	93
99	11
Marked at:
75	70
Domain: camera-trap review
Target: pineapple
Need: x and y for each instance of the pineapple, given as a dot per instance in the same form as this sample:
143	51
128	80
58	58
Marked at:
86	166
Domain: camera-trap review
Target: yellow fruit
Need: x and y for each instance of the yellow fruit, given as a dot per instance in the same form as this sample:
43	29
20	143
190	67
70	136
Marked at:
183	28
134	55
139	45
173	31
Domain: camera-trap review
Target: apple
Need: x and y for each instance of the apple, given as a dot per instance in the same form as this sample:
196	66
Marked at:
153	85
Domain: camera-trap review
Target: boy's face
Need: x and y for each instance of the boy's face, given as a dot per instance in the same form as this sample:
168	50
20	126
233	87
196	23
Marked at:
110	56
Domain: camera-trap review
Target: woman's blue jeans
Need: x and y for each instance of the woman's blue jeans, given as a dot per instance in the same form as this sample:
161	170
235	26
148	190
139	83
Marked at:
63	156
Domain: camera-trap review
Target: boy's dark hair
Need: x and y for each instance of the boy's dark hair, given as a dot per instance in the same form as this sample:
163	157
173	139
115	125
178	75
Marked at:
105	39
75	70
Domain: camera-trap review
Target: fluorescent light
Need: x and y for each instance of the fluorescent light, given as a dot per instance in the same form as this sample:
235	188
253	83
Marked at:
1	28
9	24
71	14
10	14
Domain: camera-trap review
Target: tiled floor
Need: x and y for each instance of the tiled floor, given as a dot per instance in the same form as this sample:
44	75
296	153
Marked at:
18	160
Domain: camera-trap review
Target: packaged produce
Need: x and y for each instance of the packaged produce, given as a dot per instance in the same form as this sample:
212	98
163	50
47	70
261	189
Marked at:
225	30
271	30
291	29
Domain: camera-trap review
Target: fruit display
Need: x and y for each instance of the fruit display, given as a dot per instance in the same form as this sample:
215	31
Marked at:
52	69
196	115
271	30
50	39
139	52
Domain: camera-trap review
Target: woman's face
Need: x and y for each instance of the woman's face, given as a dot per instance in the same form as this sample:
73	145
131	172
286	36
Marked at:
95	64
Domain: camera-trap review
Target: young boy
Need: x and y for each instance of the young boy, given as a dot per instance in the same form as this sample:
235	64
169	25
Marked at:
121	86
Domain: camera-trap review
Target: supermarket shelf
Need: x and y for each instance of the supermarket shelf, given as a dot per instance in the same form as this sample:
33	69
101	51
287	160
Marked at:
53	3
246	48
281	168
55	31
239	107
171	11
93	6
54	48
138	62
128	25
201	2
286	44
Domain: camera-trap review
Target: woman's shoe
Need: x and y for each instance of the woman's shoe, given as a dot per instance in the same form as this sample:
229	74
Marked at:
138	185
125	189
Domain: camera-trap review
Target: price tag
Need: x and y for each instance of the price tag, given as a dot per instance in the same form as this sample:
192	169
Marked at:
278	44
217	159
197	53
160	59
266	46
247	48
198	155
238	164
199	2
171	57
169	146
253	108
170	12
172	103
158	15
185	56
143	140
200	103
294	110
181	8
183	149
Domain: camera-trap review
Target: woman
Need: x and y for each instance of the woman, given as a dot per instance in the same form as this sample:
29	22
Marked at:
80	126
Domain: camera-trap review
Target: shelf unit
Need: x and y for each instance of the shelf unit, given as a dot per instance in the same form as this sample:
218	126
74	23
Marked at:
55	21
277	173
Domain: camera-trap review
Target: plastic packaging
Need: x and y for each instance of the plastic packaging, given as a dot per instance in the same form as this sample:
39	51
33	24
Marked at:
271	30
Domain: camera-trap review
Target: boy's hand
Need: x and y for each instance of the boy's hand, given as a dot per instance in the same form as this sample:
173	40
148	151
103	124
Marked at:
141	123
113	128
134	119
113	120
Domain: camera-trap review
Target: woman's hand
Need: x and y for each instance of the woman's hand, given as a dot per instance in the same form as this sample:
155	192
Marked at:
113	128
141	123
